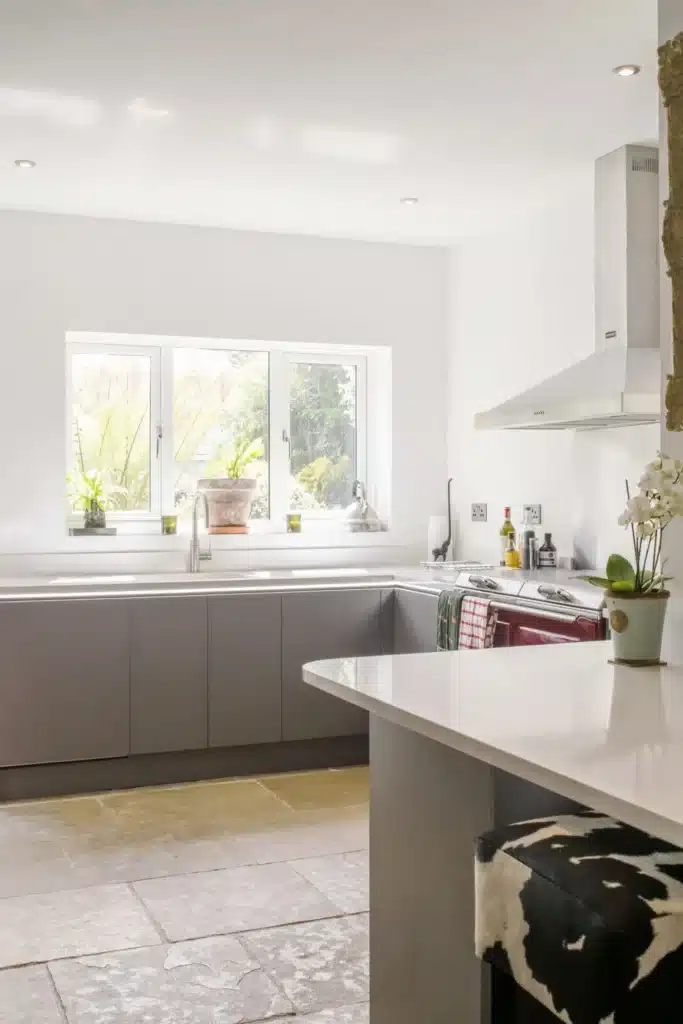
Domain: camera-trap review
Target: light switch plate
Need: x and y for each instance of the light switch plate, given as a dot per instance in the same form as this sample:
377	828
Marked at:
479	512
532	514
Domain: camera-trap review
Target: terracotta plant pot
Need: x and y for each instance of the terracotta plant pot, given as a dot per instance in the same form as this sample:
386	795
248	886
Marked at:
637	624
229	502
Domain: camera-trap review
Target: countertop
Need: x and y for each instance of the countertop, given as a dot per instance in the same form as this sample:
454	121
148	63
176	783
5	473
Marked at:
209	582
560	716
203	582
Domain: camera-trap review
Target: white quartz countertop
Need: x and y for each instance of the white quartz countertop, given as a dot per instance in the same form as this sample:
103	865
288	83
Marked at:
204	582
560	716
37	587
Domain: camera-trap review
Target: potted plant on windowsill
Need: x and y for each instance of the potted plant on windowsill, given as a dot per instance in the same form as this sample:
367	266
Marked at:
229	493
636	595
92	491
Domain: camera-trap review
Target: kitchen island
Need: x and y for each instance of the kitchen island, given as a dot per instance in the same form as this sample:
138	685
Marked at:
462	741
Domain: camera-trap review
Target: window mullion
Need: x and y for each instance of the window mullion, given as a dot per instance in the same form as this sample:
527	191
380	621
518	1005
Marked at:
362	467
154	420
165	460
279	436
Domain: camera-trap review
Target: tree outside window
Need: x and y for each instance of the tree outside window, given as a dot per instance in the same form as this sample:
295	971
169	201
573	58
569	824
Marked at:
110	399
157	419
323	434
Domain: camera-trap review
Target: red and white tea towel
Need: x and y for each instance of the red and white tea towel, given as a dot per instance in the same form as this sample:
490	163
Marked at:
477	623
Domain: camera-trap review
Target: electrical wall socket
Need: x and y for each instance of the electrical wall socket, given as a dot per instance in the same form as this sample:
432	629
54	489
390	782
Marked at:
479	512
532	514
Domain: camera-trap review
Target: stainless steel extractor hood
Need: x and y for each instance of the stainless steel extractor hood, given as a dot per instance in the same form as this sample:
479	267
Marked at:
619	385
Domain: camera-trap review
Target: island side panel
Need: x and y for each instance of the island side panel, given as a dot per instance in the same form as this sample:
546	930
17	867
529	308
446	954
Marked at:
428	803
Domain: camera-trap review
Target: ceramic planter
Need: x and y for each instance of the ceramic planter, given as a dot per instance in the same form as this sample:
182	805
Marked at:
229	503
637	625
95	518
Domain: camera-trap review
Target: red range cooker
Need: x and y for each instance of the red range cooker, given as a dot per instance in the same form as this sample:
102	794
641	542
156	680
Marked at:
545	606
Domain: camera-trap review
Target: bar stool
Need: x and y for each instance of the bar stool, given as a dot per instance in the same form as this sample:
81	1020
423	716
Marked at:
585	914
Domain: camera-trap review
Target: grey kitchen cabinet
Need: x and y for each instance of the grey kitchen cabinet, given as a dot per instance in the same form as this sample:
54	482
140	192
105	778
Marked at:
386	621
245	669
414	622
64	682
317	625
168	674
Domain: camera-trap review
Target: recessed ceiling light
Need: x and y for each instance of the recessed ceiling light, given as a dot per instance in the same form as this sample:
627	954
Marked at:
410	200
24	163
627	70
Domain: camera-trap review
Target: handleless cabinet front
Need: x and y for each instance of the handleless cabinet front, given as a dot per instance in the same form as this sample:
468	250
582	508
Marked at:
318	625
64	681
245	669
168	674
415	622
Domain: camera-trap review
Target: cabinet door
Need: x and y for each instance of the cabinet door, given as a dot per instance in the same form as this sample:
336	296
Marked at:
386	622
324	624
415	622
245	669
168	679
64	684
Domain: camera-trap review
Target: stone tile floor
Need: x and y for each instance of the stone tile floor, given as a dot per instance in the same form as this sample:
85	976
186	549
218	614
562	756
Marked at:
207	903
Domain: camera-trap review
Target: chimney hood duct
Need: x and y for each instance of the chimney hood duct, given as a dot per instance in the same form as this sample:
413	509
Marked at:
619	385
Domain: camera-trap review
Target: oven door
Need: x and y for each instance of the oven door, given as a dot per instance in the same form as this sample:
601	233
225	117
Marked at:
524	627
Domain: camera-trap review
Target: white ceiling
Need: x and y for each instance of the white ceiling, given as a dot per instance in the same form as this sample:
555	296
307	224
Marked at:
313	116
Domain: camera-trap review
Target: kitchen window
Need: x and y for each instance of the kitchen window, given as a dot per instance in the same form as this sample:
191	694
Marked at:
114	402
157	417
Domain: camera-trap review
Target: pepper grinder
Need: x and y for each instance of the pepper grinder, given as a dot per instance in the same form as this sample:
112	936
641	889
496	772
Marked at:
528	544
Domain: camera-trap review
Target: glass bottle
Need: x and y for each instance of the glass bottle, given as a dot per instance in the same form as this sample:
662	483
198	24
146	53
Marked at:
547	555
527	544
506	530
511	556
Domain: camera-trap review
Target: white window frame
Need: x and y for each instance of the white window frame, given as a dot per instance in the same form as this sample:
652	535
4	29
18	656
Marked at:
337	358
155	448
282	356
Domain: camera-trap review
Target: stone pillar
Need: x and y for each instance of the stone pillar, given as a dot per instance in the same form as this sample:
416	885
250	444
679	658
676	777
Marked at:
670	26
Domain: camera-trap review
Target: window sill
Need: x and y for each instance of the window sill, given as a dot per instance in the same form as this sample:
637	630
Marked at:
154	540
316	531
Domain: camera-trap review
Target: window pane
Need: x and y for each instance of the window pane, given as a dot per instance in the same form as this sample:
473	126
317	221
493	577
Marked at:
323	418
111	424
220	404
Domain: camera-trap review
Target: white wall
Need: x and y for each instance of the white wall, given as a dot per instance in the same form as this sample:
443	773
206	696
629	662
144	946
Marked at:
71	273
522	309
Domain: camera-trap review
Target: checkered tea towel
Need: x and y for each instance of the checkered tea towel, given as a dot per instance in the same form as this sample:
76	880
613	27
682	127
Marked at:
477	623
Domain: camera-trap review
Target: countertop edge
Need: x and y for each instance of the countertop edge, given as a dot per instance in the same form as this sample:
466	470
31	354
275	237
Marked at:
599	800
214	588
403	580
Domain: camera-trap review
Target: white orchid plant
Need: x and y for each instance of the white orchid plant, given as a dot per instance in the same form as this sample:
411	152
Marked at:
647	515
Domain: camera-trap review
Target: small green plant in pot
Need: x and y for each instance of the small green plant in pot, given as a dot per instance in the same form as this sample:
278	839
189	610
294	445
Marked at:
93	492
229	492
635	592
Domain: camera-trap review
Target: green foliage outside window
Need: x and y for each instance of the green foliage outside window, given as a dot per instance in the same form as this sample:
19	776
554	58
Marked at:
220	409
323	432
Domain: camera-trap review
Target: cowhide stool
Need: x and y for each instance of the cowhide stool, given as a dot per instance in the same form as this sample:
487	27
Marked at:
585	914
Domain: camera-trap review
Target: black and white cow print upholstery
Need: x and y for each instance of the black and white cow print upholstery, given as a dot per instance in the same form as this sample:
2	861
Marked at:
586	914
